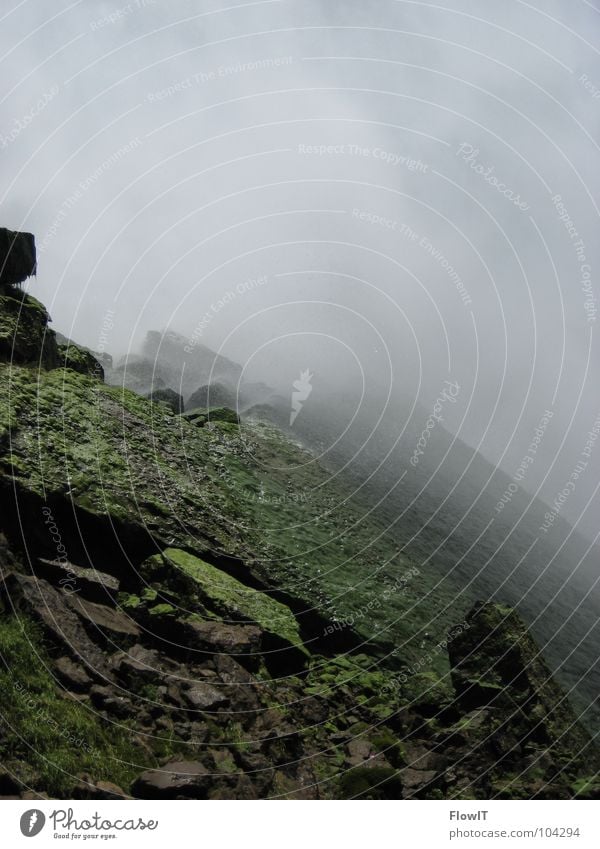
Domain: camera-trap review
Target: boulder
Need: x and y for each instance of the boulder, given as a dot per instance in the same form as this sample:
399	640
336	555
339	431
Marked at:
72	675
17	257
53	611
167	396
88	583
24	333
204	697
215	637
231	599
177	779
109	700
496	663
141	665
212	395
105	624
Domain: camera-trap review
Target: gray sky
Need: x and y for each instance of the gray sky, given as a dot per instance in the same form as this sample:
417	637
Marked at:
331	186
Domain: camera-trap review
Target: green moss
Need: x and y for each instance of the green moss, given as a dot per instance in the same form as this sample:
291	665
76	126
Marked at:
24	333
50	737
201	416
586	788
78	359
250	493
230	598
425	689
371	783
129	600
162	610
149	594
326	676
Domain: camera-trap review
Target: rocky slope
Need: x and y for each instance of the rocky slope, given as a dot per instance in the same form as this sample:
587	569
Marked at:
177	622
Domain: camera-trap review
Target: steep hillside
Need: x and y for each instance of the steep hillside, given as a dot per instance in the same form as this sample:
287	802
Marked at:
194	608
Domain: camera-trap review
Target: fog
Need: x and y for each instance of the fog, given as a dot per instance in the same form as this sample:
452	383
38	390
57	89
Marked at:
389	195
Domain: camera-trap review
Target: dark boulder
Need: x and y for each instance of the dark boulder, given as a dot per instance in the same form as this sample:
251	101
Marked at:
17	257
169	397
496	663
72	675
212	395
89	583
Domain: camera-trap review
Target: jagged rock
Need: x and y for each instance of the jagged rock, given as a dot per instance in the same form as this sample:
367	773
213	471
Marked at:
495	662
215	637
167	396
108	790
359	751
105	624
53	610
89	583
141	664
111	701
204	697
188	360
140	375
242	789
72	674
17	257
177	779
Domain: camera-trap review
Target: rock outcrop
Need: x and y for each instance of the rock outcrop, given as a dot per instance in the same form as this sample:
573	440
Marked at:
212	395
25	337
172	399
17	257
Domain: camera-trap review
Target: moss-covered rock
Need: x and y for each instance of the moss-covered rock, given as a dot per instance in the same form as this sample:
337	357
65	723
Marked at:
495	664
222	594
201	416
79	359
24	333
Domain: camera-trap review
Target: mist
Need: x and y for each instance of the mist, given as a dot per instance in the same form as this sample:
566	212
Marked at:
389	196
